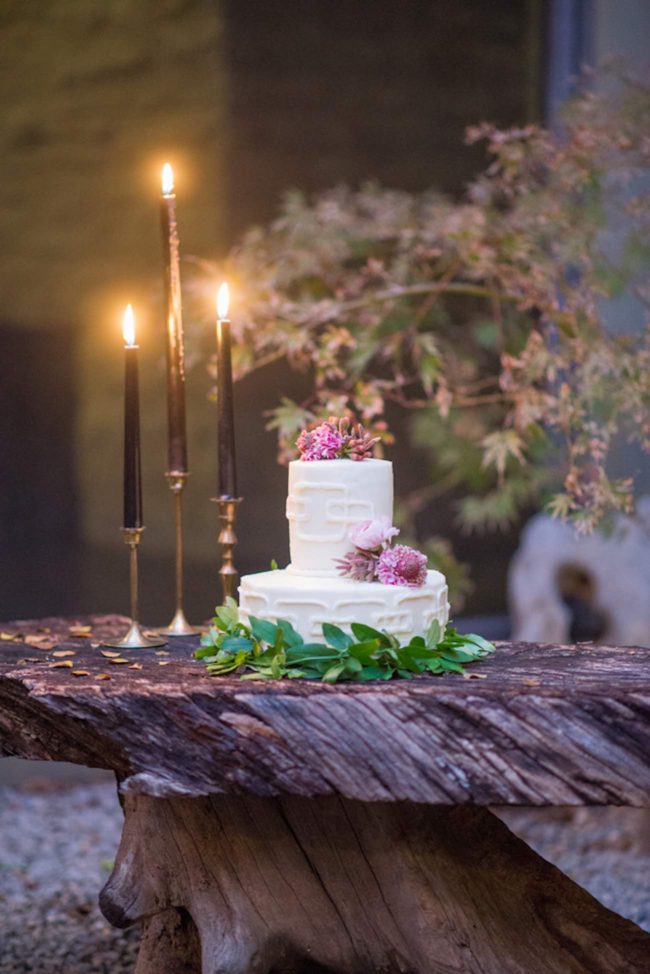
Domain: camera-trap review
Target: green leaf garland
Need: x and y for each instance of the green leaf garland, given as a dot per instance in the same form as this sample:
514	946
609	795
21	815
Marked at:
259	649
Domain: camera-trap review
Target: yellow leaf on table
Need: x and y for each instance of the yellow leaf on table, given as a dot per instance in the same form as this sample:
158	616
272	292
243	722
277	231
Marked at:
80	631
41	642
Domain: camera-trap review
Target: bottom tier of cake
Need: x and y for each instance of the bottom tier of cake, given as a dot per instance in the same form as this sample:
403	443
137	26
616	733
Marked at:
308	601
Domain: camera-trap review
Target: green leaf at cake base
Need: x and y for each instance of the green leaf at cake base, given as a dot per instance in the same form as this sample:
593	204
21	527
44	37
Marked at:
336	637
261	650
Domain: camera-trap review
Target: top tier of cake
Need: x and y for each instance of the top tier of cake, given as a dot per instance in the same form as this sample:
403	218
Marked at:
327	497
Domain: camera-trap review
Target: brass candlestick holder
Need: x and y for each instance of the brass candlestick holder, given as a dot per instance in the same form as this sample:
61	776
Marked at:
179	626
228	539
135	638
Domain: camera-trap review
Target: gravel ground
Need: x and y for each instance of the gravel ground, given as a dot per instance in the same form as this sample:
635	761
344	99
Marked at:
56	849
605	850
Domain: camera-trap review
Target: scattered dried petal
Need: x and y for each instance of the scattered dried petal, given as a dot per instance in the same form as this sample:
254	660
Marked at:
61	664
161	652
80	632
110	653
468	675
81	672
103	676
60	653
41	642
118	660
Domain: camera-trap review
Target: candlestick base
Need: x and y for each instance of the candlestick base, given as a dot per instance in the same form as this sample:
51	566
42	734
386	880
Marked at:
135	639
228	539
179	626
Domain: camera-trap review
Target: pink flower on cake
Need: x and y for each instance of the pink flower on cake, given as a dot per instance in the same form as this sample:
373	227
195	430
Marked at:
358	565
322	443
336	439
371	535
402	565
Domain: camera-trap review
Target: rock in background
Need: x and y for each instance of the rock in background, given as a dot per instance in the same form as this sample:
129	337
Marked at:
564	588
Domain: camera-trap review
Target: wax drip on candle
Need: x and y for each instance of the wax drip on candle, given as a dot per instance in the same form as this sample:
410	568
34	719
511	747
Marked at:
132	473
177	436
227	484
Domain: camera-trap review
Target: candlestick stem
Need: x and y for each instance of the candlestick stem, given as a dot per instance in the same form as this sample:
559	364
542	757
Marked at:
228	539
179	626
134	638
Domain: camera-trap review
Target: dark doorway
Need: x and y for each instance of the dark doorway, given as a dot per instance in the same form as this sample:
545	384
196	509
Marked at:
38	514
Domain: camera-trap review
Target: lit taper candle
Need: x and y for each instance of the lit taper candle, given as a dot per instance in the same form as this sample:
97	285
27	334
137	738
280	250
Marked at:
132	473
225	412
132	527
177	437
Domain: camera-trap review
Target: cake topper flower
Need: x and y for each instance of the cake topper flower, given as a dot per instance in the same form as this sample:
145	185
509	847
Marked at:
336	439
375	559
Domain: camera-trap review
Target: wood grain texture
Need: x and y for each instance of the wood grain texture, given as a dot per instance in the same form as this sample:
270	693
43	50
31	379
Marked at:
549	725
301	885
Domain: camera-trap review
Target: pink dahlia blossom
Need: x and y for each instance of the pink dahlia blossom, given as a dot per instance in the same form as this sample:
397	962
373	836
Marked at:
370	535
402	565
322	443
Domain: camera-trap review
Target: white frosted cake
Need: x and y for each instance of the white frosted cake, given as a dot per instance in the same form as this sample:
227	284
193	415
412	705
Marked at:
327	500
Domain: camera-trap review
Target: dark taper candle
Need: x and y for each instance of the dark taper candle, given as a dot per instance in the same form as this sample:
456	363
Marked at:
225	412
132	472
177	437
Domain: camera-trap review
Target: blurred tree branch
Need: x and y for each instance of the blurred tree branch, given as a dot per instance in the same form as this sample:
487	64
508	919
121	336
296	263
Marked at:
485	319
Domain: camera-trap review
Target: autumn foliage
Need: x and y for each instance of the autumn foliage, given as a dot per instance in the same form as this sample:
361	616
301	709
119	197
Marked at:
484	319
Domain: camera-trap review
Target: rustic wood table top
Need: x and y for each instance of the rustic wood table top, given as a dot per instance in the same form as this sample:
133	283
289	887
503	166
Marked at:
532	724
293	827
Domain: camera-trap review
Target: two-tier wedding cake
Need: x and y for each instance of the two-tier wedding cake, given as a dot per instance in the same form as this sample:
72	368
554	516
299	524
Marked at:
345	566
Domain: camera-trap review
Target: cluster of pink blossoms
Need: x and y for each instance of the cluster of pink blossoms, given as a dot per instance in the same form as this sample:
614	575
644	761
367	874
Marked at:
375	559
336	439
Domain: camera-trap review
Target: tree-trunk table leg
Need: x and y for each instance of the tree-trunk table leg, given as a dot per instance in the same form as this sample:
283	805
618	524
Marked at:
324	884
169	944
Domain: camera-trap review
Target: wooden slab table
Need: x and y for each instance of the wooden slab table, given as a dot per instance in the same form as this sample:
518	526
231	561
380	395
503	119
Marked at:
296	827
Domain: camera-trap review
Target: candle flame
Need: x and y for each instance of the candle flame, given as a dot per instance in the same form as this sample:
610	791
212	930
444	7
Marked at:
167	180
223	300
128	326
